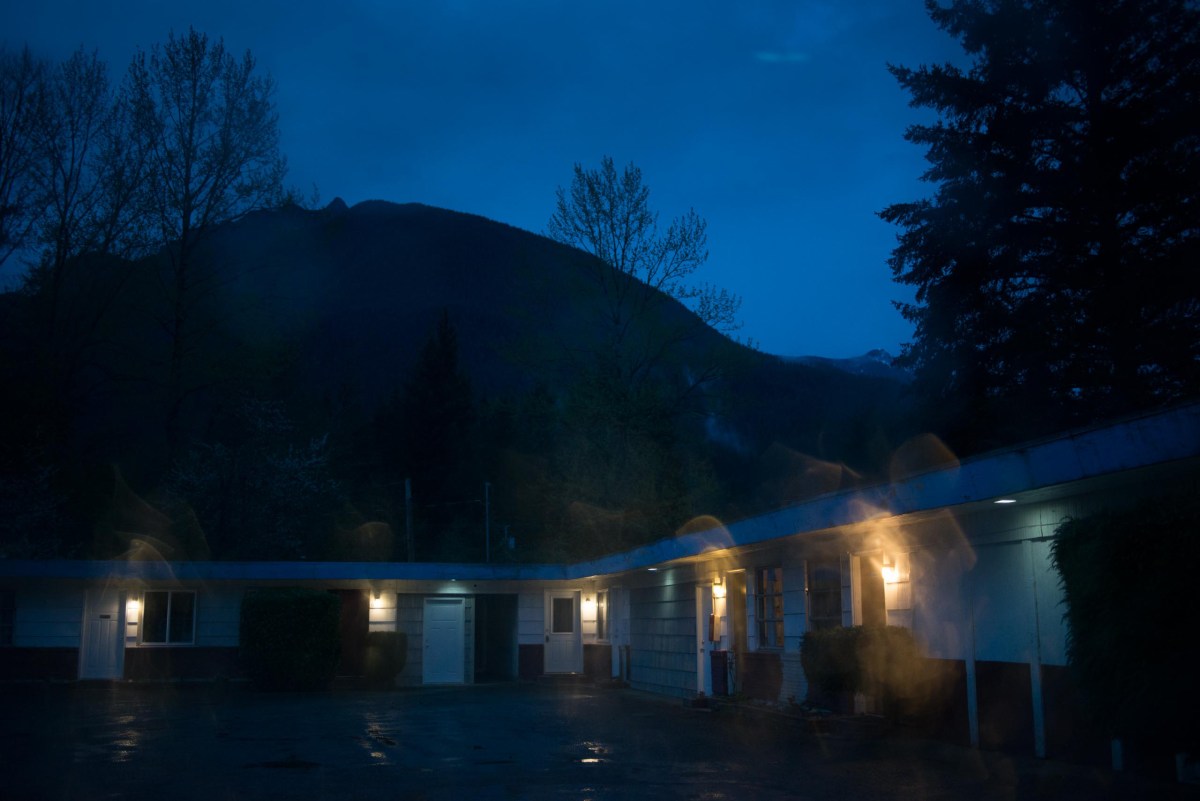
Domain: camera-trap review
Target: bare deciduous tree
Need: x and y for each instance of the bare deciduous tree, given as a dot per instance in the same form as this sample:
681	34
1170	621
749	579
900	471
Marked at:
608	215
21	94
211	134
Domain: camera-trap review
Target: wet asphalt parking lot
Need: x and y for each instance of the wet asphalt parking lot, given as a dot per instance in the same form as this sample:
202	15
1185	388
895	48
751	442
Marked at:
482	742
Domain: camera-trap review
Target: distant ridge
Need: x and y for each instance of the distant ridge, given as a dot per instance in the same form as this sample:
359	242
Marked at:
876	363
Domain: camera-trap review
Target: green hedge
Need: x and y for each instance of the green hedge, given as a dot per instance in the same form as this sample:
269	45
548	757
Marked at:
1128	582
387	654
290	638
883	662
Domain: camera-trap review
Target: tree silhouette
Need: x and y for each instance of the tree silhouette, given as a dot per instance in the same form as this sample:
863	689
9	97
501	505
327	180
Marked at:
21	100
1055	264
438	423
209	126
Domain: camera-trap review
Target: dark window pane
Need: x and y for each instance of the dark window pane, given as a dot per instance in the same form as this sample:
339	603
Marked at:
769	607
7	613
825	594
154	617
563	610
183	605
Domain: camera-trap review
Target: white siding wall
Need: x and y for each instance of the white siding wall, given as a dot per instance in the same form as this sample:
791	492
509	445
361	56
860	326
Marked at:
218	616
382	612
48	617
795	613
1050	606
941	618
795	623
1002	604
531	610
897	593
587	615
995	593
410	612
662	630
469	646
751	609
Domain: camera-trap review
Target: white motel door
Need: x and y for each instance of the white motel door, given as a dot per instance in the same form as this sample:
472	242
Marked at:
564	640
101	652
444	653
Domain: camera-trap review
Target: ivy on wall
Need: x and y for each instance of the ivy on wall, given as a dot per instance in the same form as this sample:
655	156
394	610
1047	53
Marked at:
1129	583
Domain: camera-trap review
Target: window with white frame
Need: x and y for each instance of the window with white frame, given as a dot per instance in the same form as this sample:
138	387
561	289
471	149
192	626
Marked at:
602	615
168	618
768	606
8	610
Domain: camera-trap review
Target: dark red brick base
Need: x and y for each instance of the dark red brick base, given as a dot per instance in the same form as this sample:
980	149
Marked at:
182	663
597	661
531	661
762	675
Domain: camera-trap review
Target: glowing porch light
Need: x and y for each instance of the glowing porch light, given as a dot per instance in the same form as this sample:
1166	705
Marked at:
888	569
718	589
376	600
589	607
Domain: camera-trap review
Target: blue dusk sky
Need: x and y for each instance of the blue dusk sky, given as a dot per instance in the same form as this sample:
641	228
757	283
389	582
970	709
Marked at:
776	121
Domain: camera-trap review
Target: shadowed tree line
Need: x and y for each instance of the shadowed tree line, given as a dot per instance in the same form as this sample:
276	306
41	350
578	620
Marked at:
162	403
93	175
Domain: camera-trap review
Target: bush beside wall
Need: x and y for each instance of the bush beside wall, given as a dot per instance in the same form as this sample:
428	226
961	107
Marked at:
387	654
883	662
290	638
1128	581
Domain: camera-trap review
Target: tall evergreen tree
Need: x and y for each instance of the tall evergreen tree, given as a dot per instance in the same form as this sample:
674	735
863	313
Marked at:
439	449
1055	264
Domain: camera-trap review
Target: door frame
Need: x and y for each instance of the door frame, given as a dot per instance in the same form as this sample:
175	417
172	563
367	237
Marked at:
97	603
576	662
444	601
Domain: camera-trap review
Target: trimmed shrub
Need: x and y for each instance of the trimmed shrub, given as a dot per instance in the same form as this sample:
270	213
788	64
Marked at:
883	662
829	662
290	638
1128	582
387	654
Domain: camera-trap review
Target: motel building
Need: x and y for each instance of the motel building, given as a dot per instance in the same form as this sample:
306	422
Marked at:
960	555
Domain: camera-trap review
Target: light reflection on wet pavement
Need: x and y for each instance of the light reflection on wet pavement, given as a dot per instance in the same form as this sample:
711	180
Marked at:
484	742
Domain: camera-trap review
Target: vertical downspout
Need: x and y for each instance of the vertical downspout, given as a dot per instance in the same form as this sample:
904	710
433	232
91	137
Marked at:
1035	666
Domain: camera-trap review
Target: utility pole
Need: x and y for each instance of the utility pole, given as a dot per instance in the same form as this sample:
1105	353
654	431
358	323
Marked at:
487	521
408	516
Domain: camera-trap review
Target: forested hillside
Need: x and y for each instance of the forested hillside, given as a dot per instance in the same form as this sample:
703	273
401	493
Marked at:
333	353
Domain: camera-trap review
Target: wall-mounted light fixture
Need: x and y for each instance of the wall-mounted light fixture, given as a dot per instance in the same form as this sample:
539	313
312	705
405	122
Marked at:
589	607
376	599
718	589
132	607
888	569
